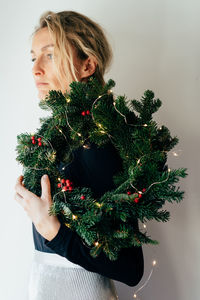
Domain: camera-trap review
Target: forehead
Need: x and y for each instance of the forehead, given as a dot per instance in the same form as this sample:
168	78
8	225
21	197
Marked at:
41	40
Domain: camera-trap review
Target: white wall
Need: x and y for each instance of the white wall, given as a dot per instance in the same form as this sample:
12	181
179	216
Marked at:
156	46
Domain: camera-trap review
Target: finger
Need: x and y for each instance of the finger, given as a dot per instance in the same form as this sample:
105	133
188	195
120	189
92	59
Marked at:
46	188
19	187
20	200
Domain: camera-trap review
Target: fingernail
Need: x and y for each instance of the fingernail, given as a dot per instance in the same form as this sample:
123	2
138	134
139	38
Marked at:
44	176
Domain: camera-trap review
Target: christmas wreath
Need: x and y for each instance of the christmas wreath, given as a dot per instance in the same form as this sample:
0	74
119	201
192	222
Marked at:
91	113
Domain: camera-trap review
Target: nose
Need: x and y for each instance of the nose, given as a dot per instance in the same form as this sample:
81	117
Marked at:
38	69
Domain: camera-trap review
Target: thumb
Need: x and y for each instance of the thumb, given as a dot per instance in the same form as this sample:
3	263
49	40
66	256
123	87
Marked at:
46	188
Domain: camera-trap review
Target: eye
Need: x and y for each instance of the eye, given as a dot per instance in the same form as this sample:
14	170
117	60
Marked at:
50	55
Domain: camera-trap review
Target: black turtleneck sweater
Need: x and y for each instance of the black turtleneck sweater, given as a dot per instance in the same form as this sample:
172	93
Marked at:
94	168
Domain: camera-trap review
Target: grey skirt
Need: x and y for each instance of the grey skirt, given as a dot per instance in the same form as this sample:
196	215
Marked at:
53	277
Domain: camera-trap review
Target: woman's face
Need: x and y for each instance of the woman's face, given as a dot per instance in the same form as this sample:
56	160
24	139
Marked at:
44	70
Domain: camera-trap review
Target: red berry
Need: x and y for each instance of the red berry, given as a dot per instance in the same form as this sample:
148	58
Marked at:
32	137
70	188
144	190
129	193
39	144
140	195
65	188
82	197
33	141
87	112
39	139
136	200
68	182
59	185
63	180
83	113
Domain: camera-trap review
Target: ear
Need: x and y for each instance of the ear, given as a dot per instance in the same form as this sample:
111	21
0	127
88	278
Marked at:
88	67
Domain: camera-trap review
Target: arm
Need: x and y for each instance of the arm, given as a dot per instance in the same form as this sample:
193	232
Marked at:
95	168
128	268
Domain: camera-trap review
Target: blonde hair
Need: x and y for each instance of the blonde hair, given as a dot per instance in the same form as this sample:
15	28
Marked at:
71	30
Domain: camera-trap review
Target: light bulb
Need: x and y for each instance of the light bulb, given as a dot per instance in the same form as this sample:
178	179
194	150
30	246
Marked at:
154	262
86	146
99	204
175	154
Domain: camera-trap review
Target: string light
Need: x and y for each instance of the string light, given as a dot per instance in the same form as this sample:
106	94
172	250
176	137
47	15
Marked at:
74	217
87	146
98	124
70	126
114	103
58	194
154	262
176	153
159	182
99	204
151	272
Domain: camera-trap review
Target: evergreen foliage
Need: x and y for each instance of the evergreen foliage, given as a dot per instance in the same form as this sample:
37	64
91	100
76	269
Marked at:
90	113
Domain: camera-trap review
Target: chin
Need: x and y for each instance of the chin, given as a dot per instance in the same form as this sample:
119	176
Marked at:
42	94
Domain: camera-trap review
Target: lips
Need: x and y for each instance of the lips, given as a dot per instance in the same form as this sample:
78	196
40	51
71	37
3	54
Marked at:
41	83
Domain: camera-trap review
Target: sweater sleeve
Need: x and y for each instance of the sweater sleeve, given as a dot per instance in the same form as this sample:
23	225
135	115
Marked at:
95	168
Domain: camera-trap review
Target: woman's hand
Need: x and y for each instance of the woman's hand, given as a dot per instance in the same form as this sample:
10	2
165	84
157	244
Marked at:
37	208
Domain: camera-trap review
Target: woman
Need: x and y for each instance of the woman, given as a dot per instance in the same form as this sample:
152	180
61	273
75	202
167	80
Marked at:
68	46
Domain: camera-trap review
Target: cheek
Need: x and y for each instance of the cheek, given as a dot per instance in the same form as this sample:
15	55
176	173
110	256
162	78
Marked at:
55	83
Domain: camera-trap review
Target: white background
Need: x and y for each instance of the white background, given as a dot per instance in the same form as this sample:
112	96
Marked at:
156	46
